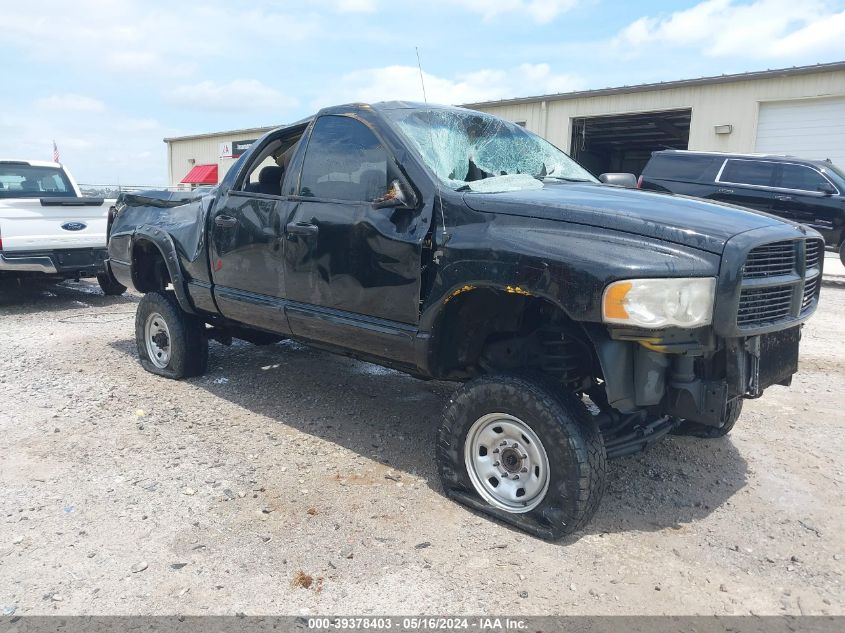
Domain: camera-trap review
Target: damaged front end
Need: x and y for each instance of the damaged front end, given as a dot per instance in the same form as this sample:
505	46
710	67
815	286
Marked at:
656	378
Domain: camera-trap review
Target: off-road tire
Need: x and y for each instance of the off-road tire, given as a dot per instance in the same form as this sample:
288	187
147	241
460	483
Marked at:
188	342
696	429
570	437
109	285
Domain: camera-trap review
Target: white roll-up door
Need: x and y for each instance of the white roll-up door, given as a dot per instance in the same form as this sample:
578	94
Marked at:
808	128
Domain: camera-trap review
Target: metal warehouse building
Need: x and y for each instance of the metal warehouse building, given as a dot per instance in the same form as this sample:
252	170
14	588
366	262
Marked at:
798	111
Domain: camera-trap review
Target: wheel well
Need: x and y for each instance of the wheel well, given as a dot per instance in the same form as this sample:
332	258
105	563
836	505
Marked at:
489	330
149	269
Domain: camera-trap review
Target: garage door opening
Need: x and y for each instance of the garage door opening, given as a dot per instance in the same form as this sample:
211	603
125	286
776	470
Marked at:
624	142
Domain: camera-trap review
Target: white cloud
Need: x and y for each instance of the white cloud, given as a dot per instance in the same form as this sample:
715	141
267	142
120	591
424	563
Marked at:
70	102
762	29
827	32
403	82
356	6
234	96
99	147
140	125
155	38
541	11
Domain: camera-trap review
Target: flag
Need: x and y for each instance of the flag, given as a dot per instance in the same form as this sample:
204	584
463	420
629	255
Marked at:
55	152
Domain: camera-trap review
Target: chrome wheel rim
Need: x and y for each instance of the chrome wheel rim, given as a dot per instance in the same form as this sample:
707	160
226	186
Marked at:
157	339
507	463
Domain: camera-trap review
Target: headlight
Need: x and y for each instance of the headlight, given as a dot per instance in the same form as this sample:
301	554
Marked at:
656	303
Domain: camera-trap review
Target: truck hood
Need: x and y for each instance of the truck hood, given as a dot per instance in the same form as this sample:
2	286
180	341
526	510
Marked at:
678	219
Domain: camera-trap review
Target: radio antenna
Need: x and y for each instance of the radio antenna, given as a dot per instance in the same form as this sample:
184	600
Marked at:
422	81
431	140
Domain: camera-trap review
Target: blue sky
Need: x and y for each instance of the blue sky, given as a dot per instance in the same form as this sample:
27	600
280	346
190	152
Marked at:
108	79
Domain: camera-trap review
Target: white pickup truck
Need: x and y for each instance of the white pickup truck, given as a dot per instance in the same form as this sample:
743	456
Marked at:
48	229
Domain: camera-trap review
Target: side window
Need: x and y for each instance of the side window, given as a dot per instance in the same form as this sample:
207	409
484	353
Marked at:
344	161
749	172
800	177
264	177
680	167
268	168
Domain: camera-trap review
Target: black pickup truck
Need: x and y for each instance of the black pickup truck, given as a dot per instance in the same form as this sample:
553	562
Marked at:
584	320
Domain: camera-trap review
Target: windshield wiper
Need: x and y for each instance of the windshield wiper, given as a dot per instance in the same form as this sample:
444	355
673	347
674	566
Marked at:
564	178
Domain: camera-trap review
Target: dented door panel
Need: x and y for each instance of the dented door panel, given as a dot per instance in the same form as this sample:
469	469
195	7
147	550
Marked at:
247	259
355	258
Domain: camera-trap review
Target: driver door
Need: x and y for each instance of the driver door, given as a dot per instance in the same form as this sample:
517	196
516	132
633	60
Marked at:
353	270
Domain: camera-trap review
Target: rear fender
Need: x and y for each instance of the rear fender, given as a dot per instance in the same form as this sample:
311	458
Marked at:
164	243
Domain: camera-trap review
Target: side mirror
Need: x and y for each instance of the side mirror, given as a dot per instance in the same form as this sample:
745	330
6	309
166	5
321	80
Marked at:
826	188
397	195
620	180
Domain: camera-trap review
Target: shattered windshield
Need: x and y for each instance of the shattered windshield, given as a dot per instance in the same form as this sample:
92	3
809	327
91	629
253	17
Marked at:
473	151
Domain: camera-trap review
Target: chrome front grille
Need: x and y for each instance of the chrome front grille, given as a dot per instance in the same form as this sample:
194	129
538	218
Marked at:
780	282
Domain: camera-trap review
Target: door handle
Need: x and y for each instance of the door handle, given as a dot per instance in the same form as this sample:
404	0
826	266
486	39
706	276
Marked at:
294	229
225	221
783	198
723	190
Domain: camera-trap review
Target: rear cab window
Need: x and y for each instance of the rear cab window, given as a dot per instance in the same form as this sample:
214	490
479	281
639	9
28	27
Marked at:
28	181
741	171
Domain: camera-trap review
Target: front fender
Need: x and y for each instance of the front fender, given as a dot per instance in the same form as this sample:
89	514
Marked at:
565	263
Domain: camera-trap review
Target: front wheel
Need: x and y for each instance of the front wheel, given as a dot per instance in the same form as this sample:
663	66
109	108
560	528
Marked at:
171	342
842	252
523	451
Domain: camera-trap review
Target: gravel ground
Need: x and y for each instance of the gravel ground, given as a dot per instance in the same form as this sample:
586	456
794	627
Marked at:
291	481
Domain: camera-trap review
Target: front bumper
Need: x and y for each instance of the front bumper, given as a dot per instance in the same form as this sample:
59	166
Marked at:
700	389
768	286
692	377
69	263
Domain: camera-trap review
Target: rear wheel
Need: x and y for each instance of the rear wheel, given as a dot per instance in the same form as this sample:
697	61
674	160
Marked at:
696	429
842	252
170	341
523	451
109	285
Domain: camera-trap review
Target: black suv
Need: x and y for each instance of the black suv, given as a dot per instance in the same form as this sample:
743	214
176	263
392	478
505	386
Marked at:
811	192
